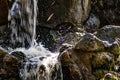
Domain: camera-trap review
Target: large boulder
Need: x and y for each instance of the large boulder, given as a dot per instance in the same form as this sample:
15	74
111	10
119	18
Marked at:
51	13
91	59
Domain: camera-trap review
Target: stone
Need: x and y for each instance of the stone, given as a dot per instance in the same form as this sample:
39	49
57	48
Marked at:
69	69
19	55
64	47
114	48
109	33
90	42
54	38
107	11
11	67
94	62
92	24
111	76
3	53
10	60
53	13
102	62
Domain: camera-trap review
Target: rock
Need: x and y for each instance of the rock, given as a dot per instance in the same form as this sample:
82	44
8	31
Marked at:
109	33
53	13
91	58
3	13
19	55
54	38
76	65
92	24
90	42
111	76
69	69
115	48
107	11
64	47
10	60
3	52
102	63
11	67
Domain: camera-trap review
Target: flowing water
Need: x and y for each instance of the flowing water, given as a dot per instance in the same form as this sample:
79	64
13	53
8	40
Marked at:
23	20
40	63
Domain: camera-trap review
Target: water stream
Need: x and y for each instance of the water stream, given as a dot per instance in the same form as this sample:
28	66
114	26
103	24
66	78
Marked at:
40	63
23	18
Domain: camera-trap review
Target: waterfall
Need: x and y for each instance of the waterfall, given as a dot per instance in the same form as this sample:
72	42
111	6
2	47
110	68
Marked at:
23	18
40	64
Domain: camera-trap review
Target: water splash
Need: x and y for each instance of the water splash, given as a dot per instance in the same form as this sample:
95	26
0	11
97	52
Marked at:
40	64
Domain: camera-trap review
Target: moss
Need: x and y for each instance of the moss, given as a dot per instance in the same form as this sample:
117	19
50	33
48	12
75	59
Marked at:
99	73
110	76
102	61
114	48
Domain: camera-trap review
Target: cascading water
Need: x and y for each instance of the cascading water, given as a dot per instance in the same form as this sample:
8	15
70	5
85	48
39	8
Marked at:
22	18
40	64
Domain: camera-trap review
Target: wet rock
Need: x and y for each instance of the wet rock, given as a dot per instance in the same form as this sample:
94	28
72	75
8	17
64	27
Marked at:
19	55
3	52
53	13
90	42
64	47
109	33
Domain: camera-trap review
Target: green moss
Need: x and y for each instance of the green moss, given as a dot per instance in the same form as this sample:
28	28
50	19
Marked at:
102	61
110	76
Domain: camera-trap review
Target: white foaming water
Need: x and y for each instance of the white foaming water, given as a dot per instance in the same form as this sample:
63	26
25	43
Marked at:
40	64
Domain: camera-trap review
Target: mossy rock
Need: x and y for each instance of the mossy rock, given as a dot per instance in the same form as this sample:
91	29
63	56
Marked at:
102	60
100	73
114	49
111	76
